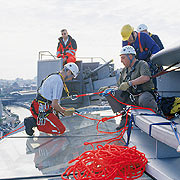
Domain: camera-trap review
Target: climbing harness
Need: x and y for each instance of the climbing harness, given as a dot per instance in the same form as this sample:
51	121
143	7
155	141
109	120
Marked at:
65	86
140	45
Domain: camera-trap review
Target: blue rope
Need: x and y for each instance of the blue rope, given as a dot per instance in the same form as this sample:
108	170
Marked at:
175	130
129	129
162	123
171	123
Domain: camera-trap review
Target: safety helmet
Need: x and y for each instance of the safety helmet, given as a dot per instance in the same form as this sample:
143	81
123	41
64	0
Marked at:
141	27
73	68
128	50
126	31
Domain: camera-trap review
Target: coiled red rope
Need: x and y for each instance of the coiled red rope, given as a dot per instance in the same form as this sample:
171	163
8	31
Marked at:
107	163
110	161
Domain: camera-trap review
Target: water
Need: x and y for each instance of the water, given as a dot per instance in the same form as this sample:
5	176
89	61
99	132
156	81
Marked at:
20	111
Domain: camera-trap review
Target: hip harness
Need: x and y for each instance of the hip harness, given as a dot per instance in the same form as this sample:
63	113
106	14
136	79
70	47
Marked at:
45	107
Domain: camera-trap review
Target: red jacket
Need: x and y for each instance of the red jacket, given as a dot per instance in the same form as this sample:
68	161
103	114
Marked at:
68	50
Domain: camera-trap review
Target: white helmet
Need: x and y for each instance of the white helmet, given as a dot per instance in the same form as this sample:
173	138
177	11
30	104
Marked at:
128	50
141	27
73	68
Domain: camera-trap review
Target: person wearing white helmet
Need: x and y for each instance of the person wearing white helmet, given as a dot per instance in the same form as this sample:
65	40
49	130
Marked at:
143	44
47	102
144	28
73	68
134	86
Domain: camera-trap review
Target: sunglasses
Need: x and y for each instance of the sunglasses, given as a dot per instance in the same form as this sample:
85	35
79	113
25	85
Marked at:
63	33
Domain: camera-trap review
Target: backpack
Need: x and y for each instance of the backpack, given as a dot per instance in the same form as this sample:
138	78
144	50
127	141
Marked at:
170	106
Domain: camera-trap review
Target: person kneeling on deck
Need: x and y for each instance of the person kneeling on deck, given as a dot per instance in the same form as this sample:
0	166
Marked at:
135	86
45	106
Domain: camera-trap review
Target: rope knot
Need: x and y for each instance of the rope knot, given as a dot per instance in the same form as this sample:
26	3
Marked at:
104	119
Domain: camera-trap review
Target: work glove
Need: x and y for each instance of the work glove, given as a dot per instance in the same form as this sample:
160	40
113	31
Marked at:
69	112
124	86
108	91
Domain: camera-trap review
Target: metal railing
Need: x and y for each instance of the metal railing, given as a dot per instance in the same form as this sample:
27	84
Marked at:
45	53
49	54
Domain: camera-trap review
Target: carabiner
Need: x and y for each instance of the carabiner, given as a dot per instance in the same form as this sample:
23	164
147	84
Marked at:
74	97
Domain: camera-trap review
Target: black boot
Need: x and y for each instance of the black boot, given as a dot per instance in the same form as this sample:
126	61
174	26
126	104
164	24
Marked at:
29	123
123	121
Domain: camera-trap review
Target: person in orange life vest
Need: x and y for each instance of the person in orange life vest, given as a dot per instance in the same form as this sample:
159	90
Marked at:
144	28
143	44
66	48
45	106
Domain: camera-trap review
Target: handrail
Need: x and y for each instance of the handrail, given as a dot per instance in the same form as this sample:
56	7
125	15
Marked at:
91	58
43	53
48	53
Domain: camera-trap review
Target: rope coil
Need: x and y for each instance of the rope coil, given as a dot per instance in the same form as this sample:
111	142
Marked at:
108	162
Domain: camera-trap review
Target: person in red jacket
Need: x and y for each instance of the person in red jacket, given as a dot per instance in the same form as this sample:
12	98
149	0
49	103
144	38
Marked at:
66	48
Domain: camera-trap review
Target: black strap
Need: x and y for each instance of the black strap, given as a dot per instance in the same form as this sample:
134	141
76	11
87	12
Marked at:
42	99
44	80
128	76
33	109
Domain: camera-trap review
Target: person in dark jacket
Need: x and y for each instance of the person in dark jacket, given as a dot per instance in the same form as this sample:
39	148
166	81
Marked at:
143	44
144	28
66	48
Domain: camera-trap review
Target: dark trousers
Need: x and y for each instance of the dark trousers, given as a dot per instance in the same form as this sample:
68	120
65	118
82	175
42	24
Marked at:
145	99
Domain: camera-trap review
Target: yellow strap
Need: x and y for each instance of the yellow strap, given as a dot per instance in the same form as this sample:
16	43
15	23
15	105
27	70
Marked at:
65	87
41	102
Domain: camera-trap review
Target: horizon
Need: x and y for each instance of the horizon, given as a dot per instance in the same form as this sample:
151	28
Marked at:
28	27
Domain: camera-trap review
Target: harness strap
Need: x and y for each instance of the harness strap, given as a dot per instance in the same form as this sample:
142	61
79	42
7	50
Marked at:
33	109
65	86
165	70
138	90
42	99
140	46
128	76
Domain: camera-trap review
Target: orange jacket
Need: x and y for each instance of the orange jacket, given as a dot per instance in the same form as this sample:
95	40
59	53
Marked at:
68	50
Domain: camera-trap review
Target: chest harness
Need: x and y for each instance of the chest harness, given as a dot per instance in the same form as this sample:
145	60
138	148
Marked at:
45	107
136	90
133	89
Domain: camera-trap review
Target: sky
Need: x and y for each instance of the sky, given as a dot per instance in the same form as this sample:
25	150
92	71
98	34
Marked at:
28	27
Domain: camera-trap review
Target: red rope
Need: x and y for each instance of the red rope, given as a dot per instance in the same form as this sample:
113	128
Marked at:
89	94
123	130
108	162
11	132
